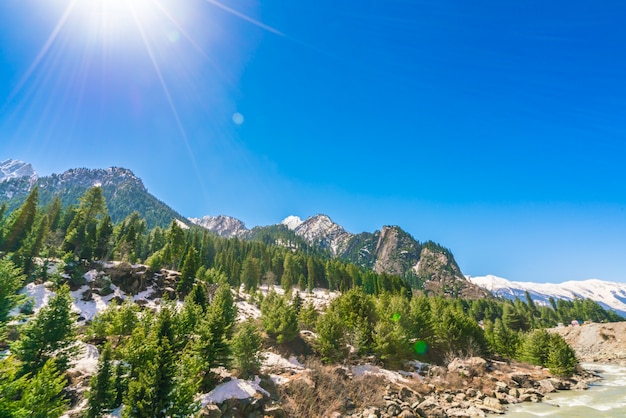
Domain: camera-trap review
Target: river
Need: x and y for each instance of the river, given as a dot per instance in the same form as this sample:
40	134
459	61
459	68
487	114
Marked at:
606	398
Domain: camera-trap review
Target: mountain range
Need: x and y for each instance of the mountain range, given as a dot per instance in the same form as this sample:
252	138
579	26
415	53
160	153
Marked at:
609	295
425	265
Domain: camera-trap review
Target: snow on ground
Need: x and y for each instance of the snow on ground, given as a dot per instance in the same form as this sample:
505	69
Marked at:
89	308
116	413
233	389
274	361
246	310
87	361
394	377
40	293
279	380
77	410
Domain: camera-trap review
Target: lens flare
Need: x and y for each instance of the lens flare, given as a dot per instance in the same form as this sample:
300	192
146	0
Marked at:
420	347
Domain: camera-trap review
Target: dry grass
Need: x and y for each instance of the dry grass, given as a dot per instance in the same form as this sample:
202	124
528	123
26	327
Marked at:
328	389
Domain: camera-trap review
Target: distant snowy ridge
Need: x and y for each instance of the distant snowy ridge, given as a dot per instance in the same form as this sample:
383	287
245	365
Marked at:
12	169
224	226
610	295
292	222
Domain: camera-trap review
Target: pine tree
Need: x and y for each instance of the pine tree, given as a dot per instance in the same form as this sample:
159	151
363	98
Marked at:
43	397
190	266
81	237
247	345
279	318
49	335
11	280
562	359
102	394
20	223
251	273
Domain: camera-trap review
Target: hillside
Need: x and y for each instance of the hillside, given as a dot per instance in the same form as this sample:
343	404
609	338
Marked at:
124	192
597	343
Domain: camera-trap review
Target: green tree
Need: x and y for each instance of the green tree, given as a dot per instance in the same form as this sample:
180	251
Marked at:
11	280
562	359
279	318
188	275
82	233
43	396
535	347
102	394
251	273
20	223
247	346
49	335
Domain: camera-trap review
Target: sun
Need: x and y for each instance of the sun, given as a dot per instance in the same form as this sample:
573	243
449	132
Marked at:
119	19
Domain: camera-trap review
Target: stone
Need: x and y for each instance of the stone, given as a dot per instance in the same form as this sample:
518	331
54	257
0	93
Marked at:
546	386
492	405
274	411
211	411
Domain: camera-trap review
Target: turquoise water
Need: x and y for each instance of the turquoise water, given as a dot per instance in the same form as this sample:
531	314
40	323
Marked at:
606	398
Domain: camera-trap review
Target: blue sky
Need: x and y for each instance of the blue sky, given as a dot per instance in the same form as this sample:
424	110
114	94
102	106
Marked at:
494	128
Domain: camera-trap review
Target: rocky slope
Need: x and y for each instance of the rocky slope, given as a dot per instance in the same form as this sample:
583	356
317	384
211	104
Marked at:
11	169
597	343
224	226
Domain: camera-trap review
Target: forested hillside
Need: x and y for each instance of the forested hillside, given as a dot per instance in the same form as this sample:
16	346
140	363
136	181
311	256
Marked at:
155	358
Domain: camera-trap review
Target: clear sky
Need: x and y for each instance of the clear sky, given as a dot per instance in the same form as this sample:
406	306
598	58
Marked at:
496	128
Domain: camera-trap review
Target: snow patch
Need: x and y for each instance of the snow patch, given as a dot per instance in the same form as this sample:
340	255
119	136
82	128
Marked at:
233	389
292	222
87	362
368	369
274	361
246	310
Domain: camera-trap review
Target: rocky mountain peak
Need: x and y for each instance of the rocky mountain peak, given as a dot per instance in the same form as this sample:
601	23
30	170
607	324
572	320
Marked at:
11	169
321	230
292	222
224	226
89	177
396	251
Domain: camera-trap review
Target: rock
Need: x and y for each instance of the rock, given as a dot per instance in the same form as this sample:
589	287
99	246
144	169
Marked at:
211	411
492	405
581	386
502	387
274	411
546	386
522	380
473	366
471	392
406	413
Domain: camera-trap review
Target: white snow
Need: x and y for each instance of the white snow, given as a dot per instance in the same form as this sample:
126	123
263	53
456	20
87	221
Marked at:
292	222
279	380
246	310
40	294
87	361
610	295
368	369
274	361
181	224
233	389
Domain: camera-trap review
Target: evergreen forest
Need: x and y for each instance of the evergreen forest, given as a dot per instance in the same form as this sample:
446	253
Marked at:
156	361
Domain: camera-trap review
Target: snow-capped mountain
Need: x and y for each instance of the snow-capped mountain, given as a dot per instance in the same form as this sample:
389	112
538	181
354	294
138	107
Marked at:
609	295
12	169
321	230
224	226
292	222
